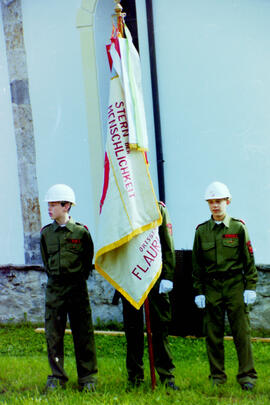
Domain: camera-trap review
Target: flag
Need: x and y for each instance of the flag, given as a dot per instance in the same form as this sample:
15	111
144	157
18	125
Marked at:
128	250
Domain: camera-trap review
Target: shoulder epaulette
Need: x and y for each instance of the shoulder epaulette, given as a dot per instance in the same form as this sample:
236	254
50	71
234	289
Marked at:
240	220
78	223
200	225
162	203
45	226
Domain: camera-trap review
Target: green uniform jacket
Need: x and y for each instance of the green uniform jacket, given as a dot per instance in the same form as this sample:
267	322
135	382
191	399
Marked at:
167	245
66	250
222	248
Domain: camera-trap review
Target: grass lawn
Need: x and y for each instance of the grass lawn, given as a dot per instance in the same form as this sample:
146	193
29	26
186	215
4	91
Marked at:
24	369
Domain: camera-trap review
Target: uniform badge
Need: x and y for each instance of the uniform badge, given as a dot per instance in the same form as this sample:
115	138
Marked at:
249	246
169	226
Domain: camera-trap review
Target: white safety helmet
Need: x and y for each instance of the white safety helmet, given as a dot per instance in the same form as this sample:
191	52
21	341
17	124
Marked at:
60	192
217	190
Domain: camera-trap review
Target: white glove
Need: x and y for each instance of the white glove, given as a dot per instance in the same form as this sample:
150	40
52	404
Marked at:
200	301
165	286
249	297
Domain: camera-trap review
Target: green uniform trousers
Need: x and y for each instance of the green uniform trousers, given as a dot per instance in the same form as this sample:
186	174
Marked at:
226	295
160	316
68	296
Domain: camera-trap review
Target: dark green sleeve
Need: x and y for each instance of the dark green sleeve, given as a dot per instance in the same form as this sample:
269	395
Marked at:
197	266
43	251
88	252
167	245
250	271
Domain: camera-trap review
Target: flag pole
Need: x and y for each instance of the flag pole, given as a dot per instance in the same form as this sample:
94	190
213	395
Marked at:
150	343
119	15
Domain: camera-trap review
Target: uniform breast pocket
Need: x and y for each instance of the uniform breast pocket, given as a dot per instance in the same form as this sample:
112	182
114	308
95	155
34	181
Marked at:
234	242
231	248
74	248
208	249
72	257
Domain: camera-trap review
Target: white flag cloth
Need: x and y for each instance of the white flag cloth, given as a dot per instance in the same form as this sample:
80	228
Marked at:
128	68
128	251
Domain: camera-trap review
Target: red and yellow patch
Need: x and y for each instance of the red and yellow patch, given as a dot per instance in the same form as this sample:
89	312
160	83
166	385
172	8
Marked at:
169	226
249	246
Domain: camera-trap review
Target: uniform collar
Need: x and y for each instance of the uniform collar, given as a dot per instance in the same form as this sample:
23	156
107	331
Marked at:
69	225
226	222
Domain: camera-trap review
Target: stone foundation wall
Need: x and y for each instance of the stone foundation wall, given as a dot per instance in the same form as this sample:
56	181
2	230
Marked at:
260	312
23	296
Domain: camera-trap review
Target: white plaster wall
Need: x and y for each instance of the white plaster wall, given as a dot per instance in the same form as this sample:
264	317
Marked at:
58	101
213	61
57	95
11	230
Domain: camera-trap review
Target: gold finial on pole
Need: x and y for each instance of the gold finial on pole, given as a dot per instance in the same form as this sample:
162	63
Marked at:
118	8
119	15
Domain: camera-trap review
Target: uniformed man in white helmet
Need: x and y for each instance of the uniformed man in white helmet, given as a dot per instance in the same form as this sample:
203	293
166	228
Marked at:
225	277
67	253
